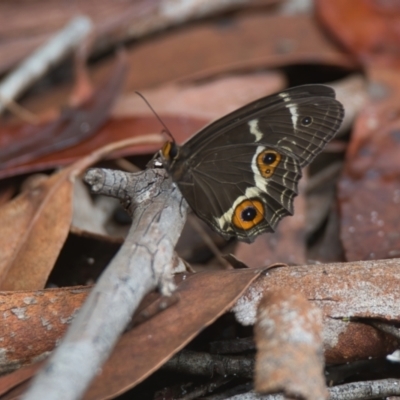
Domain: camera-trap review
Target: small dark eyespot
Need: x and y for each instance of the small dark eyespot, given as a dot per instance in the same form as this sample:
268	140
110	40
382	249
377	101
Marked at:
269	158
248	214
306	121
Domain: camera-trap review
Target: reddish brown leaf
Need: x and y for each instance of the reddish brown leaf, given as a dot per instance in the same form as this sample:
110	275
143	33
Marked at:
244	42
247	42
113	130
207	100
157	340
342	291
32	322
367	28
369	228
72	127
9	382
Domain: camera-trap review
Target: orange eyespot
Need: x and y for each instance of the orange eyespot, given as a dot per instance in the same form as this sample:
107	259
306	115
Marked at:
267	161
248	214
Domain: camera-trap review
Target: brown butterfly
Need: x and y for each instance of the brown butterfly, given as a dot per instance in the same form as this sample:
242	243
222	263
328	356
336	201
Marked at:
240	173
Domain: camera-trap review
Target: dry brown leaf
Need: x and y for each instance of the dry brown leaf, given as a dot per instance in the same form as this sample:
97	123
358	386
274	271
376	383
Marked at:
201	302
243	42
114	22
34	226
115	129
207	100
33	322
22	34
367	28
342	291
10	381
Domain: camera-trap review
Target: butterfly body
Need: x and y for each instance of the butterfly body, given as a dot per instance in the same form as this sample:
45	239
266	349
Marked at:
240	173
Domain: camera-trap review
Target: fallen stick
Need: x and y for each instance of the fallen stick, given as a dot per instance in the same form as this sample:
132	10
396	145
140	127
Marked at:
36	65
144	262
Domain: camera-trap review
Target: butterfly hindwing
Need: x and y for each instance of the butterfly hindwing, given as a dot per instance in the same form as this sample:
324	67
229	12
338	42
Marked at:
268	188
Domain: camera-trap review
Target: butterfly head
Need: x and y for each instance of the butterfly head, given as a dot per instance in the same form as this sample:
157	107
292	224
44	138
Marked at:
169	152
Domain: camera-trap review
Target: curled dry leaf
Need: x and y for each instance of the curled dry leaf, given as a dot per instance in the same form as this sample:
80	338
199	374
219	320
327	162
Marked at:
368	289
34	225
288	334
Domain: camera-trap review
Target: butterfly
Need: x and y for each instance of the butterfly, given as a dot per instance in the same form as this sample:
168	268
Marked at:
240	174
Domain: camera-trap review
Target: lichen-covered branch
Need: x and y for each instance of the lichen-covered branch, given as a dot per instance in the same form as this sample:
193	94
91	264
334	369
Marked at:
144	262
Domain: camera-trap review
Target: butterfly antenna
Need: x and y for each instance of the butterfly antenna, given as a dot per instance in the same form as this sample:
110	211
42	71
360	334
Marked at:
166	130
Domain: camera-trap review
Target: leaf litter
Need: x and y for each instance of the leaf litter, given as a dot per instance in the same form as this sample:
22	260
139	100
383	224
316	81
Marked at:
254	50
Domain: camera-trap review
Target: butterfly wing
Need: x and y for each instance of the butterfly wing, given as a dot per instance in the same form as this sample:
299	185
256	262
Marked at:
240	173
302	119
223	199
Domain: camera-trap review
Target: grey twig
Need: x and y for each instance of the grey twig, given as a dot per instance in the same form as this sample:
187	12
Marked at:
238	345
204	364
204	389
144	262
43	59
365	390
349	391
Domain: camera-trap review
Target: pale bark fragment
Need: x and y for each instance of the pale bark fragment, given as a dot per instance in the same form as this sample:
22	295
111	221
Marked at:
288	335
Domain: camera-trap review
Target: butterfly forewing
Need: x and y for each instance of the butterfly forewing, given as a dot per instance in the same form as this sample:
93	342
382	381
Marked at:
270	119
